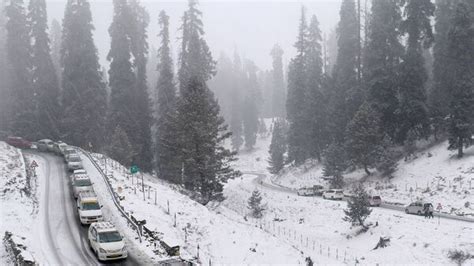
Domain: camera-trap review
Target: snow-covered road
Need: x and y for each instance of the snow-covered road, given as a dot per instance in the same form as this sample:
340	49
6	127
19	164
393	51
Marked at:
62	238
260	180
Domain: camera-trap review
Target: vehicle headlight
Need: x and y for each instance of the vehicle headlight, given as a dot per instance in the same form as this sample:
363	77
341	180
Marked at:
101	250
124	249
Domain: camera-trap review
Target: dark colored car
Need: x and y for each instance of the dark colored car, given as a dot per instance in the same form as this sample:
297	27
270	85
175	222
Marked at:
18	142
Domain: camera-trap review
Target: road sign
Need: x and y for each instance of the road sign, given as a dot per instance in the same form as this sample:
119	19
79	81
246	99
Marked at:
34	164
134	169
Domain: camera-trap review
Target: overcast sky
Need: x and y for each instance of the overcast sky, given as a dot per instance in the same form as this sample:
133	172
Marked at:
251	27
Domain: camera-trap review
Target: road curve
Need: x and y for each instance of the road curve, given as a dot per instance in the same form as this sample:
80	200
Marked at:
260	181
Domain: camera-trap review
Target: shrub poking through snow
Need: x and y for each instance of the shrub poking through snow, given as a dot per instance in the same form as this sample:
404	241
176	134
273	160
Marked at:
358	207
255	204
459	256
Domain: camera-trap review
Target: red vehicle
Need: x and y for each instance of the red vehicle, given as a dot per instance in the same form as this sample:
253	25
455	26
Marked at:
19	142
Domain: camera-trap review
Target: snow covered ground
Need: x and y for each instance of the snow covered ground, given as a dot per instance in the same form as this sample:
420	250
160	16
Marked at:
18	211
223	236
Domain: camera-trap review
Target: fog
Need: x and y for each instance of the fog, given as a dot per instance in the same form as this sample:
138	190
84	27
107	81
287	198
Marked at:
250	27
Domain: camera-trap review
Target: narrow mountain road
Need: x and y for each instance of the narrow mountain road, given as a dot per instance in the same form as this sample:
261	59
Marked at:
62	237
260	180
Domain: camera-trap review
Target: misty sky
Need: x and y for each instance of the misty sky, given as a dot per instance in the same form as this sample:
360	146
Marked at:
251	27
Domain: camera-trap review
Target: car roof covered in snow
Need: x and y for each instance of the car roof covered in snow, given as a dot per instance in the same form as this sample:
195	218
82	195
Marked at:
104	227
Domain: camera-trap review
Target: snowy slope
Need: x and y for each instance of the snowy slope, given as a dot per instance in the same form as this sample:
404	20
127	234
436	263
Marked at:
18	211
435	175
223	236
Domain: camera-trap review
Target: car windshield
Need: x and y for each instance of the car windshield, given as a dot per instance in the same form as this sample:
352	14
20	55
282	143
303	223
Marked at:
74	159
82	183
376	197
69	152
338	192
90	206
107	237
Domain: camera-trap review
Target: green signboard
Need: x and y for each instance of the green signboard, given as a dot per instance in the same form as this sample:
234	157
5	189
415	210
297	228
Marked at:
134	169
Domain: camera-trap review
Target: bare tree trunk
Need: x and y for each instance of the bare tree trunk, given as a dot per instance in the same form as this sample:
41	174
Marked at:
460	151
367	170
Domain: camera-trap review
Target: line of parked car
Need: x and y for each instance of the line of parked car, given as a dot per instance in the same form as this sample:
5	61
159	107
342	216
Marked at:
103	237
417	207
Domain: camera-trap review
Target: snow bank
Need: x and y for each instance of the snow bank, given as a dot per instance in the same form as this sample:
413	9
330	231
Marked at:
18	203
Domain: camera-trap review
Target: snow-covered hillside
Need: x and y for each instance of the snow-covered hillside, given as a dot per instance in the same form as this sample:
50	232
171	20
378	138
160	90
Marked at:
223	235
434	175
17	205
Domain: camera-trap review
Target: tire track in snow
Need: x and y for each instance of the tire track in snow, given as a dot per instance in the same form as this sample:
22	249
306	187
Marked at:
45	223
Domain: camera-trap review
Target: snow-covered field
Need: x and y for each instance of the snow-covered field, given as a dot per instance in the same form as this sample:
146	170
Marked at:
18	210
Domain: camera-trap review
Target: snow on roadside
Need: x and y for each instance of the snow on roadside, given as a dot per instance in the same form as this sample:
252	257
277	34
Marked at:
223	236
18	210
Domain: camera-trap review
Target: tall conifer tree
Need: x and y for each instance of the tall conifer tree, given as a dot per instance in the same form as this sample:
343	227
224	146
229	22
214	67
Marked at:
201	129
249	106
382	59
412	111
43	73
297	92
346	96
22	96
461	62
122	80
167	154
142	112
84	98
438	97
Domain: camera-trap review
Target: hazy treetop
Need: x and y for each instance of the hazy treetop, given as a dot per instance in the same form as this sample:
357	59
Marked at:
253	27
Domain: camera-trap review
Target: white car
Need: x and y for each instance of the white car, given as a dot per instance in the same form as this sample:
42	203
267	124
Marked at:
74	162
81	183
45	145
334	194
88	208
106	241
67	152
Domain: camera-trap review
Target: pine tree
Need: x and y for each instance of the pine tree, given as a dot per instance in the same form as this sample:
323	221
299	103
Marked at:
202	132
334	164
316	107
22	98
346	97
84	98
277	148
255	204
142	110
358	207
120	148
4	91
381	62
278	88
201	129
167	154
297	116
195	57
250	109
43	74
364	138
412	111
438	98
56	37
122	78
461	62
